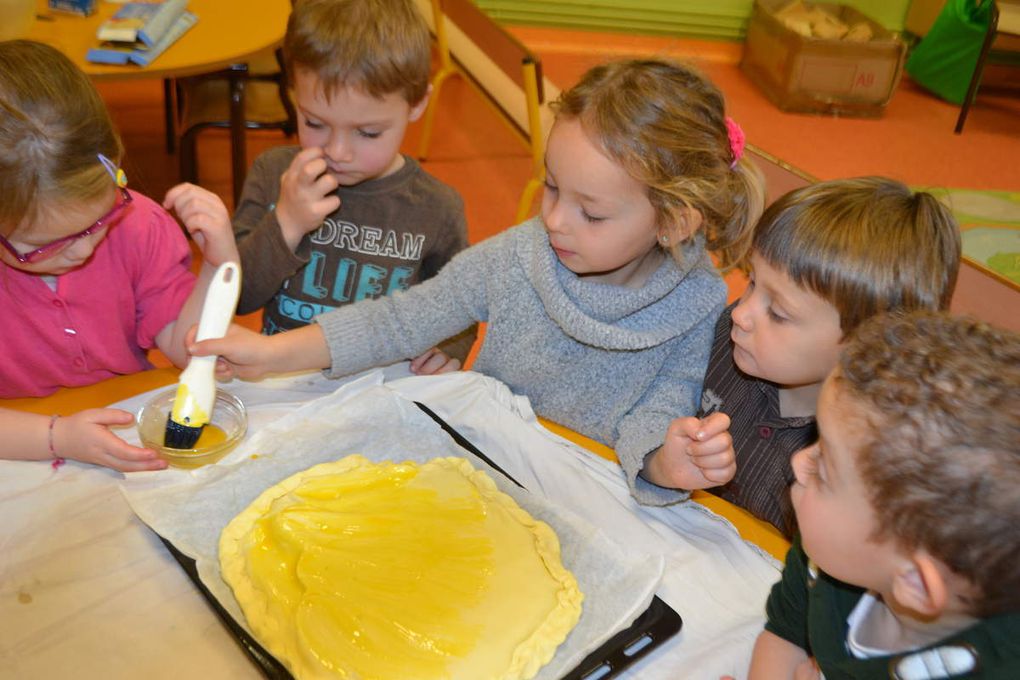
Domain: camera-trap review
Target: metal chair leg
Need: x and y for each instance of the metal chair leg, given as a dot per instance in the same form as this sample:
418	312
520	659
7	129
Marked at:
169	115
975	80
238	150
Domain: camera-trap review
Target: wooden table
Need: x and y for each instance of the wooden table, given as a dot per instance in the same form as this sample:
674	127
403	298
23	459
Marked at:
227	34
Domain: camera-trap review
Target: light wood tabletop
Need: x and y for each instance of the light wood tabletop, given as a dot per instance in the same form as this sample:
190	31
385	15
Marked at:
227	32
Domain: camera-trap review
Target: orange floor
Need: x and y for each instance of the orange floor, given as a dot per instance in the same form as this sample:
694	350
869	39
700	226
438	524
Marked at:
913	141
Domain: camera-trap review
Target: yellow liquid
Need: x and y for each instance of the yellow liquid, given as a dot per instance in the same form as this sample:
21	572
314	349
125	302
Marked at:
211	437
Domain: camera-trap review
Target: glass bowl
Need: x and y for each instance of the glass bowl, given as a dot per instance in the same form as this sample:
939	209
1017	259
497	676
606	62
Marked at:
228	414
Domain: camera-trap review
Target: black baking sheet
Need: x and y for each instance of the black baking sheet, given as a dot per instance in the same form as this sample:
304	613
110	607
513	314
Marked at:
656	625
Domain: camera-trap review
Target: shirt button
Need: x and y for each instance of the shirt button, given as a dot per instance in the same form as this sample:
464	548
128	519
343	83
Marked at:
765	431
58	303
78	362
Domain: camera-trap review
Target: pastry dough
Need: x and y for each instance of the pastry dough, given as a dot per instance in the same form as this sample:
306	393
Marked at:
355	569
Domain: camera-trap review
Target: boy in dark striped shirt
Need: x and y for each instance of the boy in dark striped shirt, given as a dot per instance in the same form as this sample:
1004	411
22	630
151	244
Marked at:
824	258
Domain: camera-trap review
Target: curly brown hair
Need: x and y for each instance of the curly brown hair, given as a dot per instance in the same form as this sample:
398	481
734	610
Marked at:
942	457
664	123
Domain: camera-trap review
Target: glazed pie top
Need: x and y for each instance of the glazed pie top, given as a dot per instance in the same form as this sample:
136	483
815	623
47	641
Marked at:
355	569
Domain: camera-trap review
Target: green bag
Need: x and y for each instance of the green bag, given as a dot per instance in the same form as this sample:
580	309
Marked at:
944	60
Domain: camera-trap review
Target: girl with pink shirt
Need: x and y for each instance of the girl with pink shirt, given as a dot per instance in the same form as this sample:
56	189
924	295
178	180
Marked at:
92	275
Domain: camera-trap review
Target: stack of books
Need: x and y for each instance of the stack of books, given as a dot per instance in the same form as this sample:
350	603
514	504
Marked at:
140	31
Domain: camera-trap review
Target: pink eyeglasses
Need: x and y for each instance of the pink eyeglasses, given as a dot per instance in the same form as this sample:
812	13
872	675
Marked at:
42	252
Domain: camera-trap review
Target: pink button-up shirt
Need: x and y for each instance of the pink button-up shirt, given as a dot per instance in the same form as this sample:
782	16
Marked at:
103	316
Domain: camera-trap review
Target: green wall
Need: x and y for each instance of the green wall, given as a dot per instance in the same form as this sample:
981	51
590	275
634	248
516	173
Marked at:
719	19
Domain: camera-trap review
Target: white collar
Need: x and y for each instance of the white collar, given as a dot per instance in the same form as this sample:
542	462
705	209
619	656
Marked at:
944	661
858	628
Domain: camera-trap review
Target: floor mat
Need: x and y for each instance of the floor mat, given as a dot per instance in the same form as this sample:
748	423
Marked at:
990	225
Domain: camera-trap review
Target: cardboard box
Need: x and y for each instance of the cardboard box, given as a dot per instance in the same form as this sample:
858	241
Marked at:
816	75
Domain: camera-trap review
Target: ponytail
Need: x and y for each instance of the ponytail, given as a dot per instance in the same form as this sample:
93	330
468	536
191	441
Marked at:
730	238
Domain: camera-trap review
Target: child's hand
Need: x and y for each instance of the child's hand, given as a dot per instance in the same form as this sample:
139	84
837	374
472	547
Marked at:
206	219
85	436
249	355
697	454
306	195
242	353
434	362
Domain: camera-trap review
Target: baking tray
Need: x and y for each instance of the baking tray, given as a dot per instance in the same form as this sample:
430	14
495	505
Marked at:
656	625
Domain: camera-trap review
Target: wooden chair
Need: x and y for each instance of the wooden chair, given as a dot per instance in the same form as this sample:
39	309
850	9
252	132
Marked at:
249	96
1001	44
511	59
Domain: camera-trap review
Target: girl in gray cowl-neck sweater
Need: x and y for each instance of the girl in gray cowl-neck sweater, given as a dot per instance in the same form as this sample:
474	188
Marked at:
613	363
602	310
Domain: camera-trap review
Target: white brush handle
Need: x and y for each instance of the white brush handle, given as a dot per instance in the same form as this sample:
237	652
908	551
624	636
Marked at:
220	302
217	312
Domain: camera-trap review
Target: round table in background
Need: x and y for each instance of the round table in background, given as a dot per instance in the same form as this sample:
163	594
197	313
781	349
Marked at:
227	34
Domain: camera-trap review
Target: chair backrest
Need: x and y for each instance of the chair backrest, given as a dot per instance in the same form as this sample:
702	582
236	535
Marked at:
505	70
502	68
508	53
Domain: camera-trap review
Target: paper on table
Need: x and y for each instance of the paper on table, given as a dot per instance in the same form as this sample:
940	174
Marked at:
190	510
714	579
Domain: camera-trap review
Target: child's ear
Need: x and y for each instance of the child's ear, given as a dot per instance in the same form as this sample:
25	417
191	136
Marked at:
418	109
688	222
920	586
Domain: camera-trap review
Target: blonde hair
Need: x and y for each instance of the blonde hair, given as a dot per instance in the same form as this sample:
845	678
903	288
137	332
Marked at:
940	454
665	124
866	245
52	126
377	46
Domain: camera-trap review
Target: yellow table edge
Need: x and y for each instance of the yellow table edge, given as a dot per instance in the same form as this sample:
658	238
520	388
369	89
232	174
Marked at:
752	529
68	400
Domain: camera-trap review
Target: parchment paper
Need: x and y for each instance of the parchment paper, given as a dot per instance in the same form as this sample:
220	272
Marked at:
191	508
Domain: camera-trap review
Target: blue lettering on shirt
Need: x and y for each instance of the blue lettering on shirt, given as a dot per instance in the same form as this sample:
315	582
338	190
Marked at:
398	279
353	281
344	282
370	282
299	310
311	285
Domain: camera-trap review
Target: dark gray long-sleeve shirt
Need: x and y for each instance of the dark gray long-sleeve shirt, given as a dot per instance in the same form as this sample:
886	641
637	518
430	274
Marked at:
388	234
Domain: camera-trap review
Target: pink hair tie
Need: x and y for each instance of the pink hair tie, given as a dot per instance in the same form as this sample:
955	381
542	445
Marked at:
737	140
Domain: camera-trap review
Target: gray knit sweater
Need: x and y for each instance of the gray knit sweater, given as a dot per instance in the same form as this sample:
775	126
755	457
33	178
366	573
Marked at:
613	363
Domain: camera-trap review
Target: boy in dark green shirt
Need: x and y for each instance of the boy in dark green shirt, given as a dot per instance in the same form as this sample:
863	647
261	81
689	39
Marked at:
908	508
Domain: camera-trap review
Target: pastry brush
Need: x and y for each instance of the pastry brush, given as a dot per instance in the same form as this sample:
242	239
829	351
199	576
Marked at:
196	392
